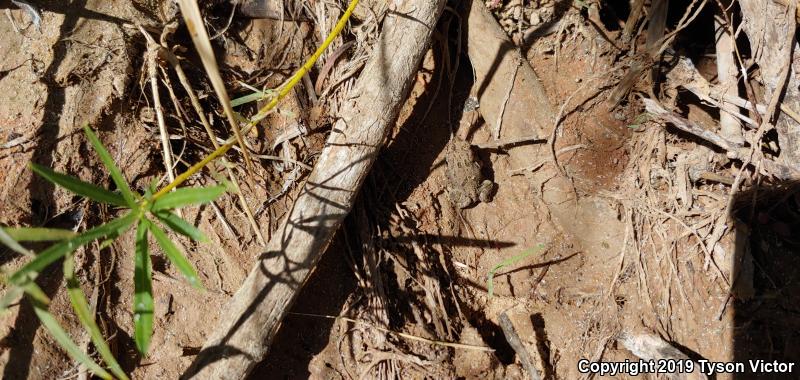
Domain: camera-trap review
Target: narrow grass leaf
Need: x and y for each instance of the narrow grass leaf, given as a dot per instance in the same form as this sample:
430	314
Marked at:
57	251
35	293
143	291
181	226
510	261
187	196
9	242
45	258
197	30
79	187
39	234
63	339
105	243
174	255
12	294
85	316
116	174
248	99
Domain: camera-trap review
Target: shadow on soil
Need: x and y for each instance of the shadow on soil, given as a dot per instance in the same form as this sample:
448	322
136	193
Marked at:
767	283
300	338
20	358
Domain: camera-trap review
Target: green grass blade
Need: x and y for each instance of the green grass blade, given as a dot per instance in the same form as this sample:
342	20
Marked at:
63	339
143	291
116	174
45	258
14	292
174	255
9	242
177	224
85	316
39	234
36	294
57	251
79	187
11	295
187	196
510	261
256	96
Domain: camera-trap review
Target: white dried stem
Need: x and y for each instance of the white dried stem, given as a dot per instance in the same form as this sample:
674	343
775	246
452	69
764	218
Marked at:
730	128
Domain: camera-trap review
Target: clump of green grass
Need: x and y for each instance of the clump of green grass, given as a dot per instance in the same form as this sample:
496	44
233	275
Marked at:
148	212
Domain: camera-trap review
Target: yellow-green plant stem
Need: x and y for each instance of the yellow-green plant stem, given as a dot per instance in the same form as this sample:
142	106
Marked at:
308	65
263	111
194	169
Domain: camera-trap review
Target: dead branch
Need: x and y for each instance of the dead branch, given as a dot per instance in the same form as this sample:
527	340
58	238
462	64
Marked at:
685	74
733	151
152	67
516	343
249	323
771	28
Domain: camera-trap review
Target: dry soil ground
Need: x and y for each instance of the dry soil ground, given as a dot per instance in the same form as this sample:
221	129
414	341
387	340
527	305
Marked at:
628	261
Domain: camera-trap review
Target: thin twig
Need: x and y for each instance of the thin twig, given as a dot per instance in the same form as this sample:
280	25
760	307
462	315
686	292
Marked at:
516	343
733	151
329	64
173	60
621	254
511	141
404	335
730	127
767	122
554	133
151	61
228	24
700	241
197	30
683	23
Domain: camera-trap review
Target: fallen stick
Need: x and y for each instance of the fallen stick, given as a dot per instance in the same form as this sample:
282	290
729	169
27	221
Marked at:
771	32
655	108
733	151
243	337
686	75
516	343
